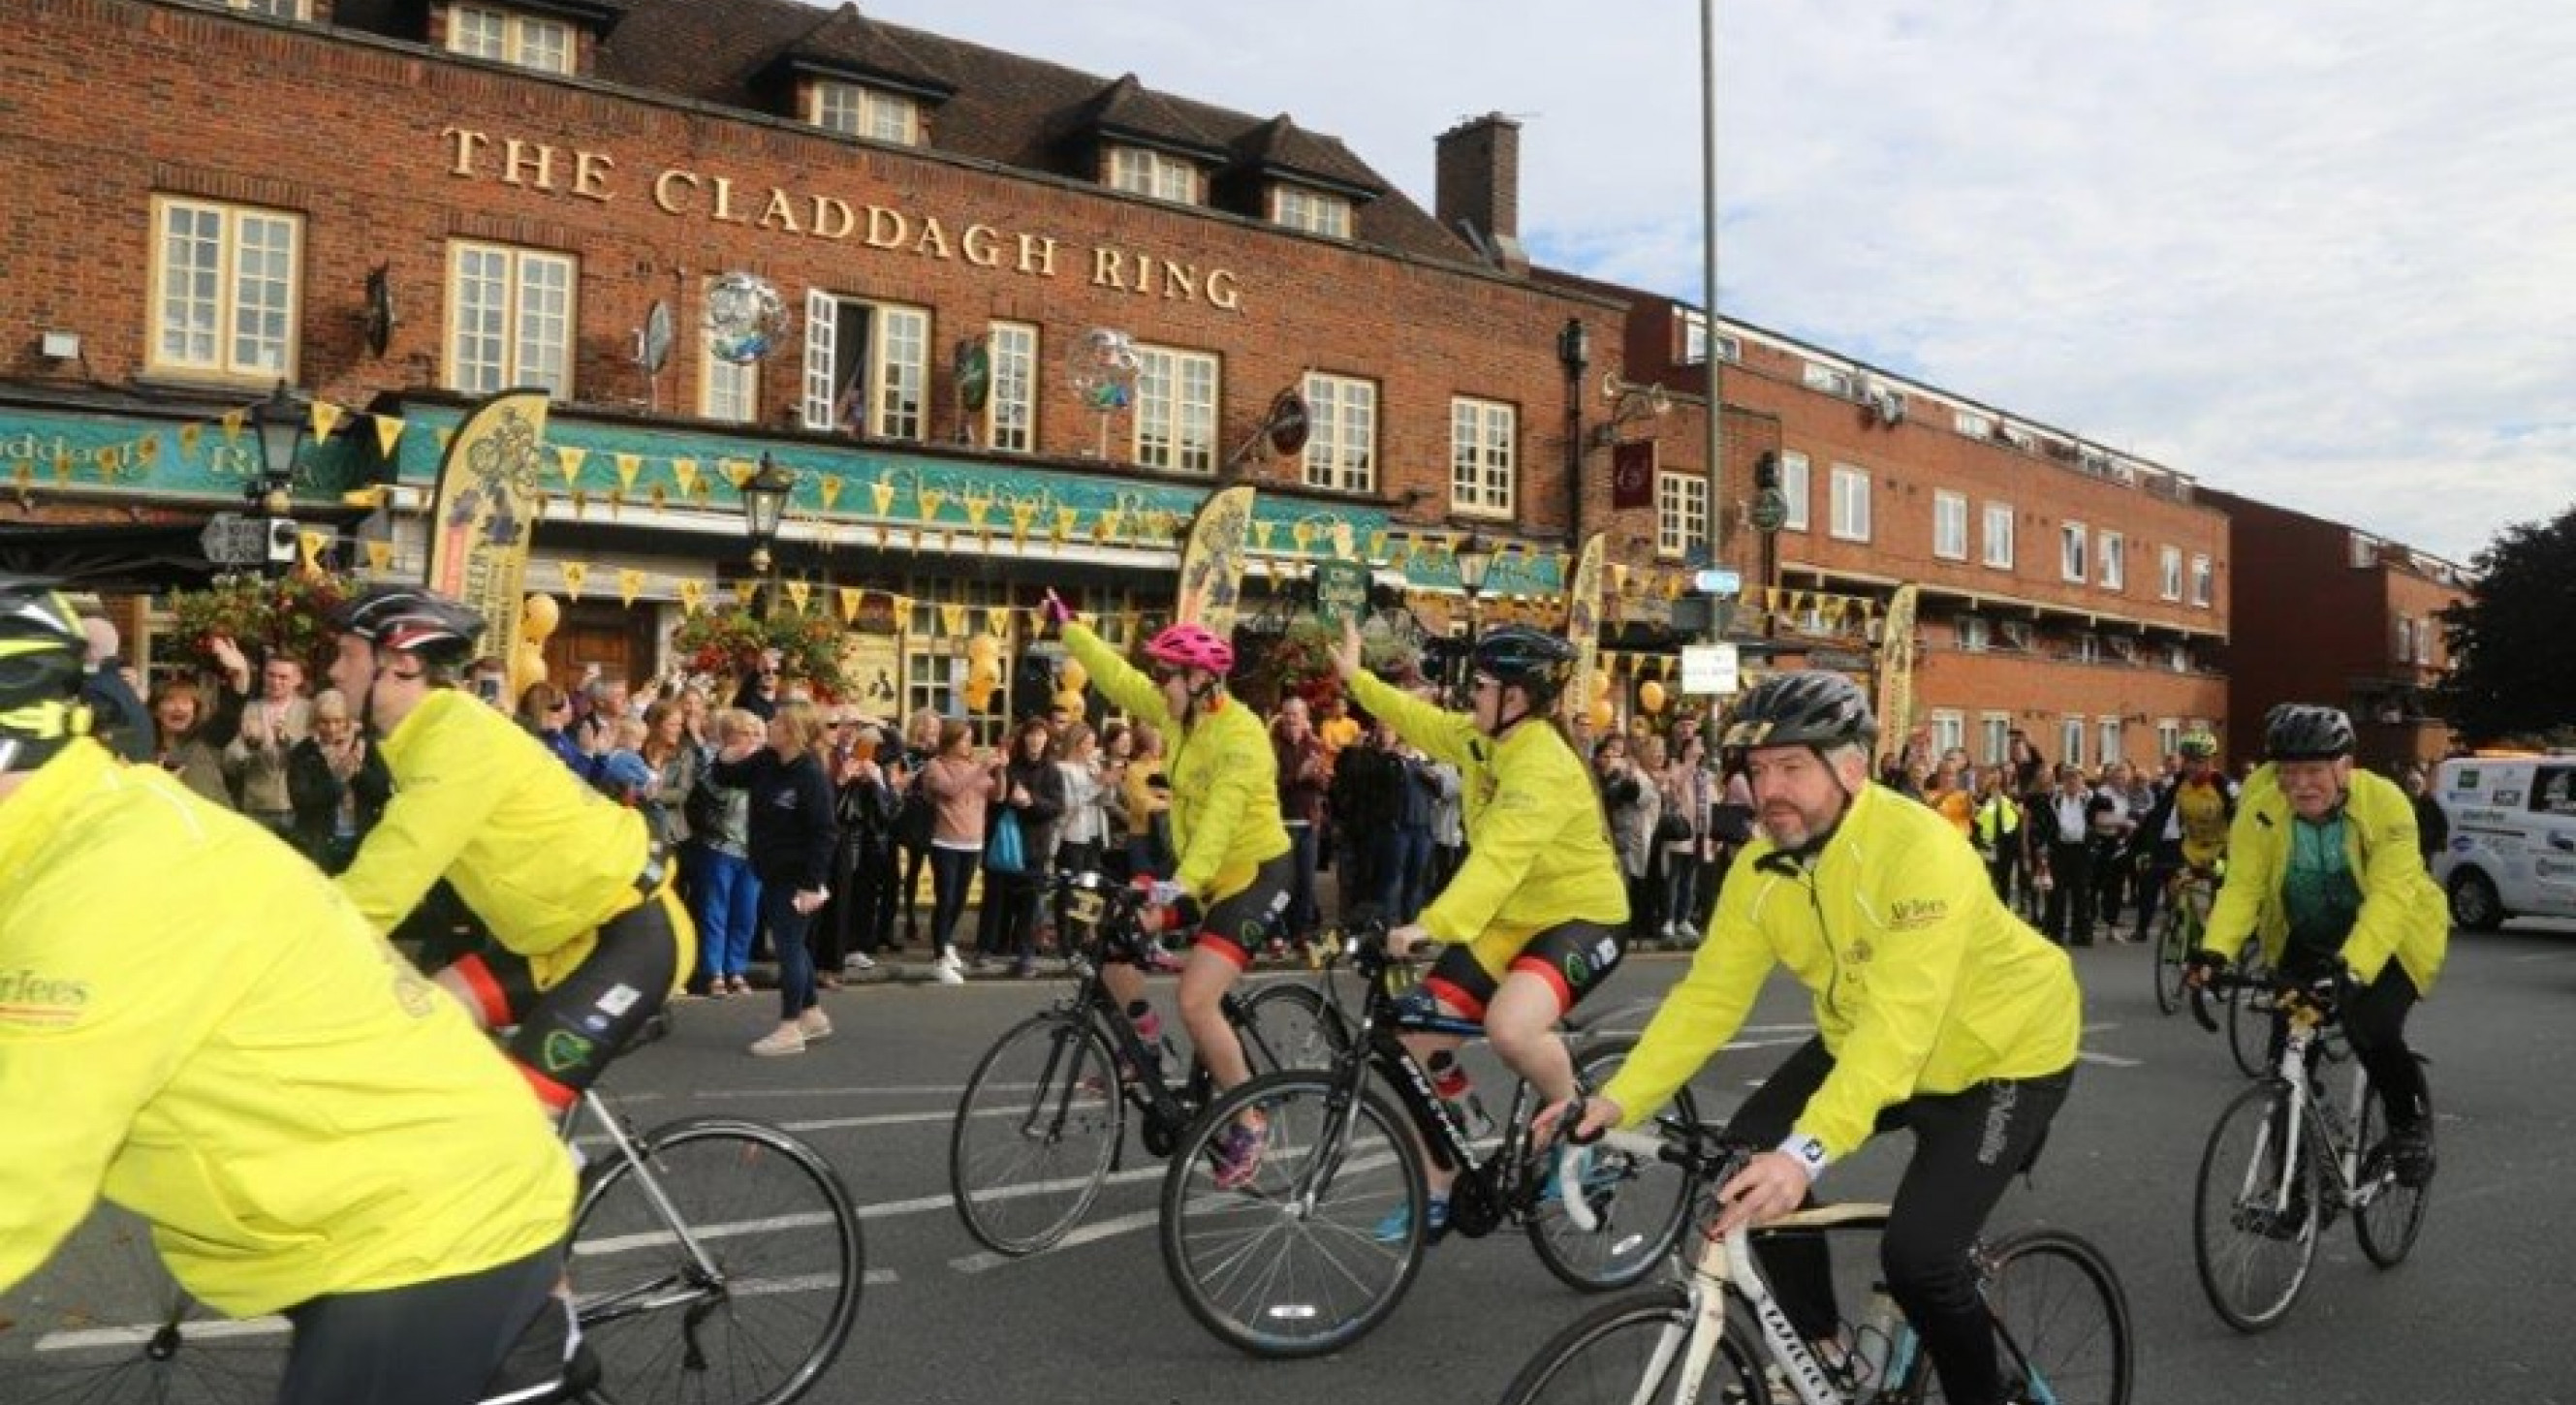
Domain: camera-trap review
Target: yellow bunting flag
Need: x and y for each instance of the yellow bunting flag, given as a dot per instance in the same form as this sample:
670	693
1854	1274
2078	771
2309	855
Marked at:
629	468
380	556
147	452
997	621
976	507
326	417
1262	533
630	583
389	431
1110	522
569	460
849	597
1100	529
1343	543
799	593
1618	578
744	592
232	422
693	596
576	574
1065	517
1377	546
685	473
952	621
1022	514
189	435
831	491
882	492
738	472
931	499
310	545
1303	534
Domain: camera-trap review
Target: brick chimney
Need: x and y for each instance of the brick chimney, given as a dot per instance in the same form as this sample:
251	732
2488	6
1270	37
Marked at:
1478	173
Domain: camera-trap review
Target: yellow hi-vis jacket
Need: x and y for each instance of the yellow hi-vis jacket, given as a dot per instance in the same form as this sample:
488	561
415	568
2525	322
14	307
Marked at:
2403	913
1538	850
540	856
1924	982
1225	777
196	1025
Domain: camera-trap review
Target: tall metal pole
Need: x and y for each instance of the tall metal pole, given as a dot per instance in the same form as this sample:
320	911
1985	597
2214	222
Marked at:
1708	272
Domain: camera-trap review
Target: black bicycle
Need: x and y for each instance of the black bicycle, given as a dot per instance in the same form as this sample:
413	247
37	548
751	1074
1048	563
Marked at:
1043	1121
1318	1246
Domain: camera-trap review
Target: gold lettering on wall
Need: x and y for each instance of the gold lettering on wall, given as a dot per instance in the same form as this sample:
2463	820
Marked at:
1223	291
833	219
467	143
590	175
724	202
668	181
518	156
1037	255
1106	266
978	242
779	211
934	240
886	228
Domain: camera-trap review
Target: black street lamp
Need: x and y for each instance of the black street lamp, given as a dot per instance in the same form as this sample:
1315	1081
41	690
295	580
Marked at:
280	421
1475	558
1574	353
764	505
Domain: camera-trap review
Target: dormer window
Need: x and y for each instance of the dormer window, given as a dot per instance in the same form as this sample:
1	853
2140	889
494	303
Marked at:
525	41
276	9
856	110
1313	211
1141	171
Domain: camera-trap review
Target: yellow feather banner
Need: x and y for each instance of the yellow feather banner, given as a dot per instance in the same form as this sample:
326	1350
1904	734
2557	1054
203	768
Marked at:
798	593
380	556
576	574
630	584
389	432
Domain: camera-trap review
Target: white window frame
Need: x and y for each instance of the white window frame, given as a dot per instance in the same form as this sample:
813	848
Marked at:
1997	549
1681	513
2168	736
2112	744
1341	433
1949	525
1176	399
1851	503
1973	424
523	41
1797	484
892	389
276	9
2070	739
2112	550
2072	557
1832	380
1141	170
2404	640
1975	633
727	393
1299	207
1995	729
243	277
1484	456
2204	579
535	340
2169	573
858	110
1011	409
1949	731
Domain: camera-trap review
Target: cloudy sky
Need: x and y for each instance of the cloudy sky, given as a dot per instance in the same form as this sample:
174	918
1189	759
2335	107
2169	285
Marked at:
2320	252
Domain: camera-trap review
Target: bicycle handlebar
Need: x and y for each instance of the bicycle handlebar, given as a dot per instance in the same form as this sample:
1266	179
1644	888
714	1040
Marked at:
1706	1154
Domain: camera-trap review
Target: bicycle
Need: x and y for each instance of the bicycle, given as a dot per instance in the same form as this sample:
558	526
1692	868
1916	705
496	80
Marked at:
712	1235
1042	1123
1719	1335
2188	895
2257	1214
1292	1263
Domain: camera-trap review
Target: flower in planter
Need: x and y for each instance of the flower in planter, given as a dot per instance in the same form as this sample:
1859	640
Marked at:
285	618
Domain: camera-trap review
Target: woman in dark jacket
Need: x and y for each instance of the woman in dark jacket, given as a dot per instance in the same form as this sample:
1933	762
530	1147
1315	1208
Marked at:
337	784
860	919
1027	785
791	838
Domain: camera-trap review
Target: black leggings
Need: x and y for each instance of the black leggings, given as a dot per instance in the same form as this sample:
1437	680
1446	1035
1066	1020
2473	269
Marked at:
2374	1022
568	1033
434	1343
1967	1147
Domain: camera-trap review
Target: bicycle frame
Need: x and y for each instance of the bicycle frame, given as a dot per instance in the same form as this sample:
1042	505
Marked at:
706	1273
2303	1045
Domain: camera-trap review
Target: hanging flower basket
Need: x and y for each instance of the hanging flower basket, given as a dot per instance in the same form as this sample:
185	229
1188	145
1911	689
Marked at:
729	642
287	618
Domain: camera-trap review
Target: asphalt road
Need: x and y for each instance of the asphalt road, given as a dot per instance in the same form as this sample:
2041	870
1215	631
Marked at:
2478	1314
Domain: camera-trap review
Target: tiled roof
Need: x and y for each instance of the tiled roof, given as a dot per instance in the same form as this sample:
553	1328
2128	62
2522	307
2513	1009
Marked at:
1006	108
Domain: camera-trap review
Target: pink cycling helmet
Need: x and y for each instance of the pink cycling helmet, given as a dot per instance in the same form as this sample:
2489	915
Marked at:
1190	646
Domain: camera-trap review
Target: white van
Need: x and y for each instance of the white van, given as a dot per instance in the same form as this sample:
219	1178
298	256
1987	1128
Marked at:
2513	837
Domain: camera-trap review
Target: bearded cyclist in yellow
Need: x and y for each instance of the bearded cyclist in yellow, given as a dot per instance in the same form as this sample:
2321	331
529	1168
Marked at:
1936	1008
574	891
2186	829
1537	915
1235	867
196	1026
2325	870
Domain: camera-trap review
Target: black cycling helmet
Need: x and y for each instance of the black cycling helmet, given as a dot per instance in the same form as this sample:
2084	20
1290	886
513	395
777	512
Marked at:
42	650
2307	732
1518	656
1813	708
412	620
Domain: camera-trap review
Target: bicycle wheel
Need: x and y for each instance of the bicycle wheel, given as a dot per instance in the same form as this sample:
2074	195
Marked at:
2061	1323
104	1322
1629	1351
2173	933
1291	1263
1036	1132
2255	1214
2249	1025
2387	1216
1641	1201
774	1299
1289	1024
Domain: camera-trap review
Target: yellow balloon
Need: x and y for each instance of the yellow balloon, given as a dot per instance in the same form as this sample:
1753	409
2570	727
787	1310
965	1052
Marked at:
1070	699
1602	714
983	648
1073	677
1600	683
1650	695
527	666
539	615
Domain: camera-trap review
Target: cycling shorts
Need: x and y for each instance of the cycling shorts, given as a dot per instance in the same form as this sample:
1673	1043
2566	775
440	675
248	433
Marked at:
568	1033
1235	927
1572	957
431	1343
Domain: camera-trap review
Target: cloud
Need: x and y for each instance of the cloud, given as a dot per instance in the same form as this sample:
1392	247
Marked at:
2315	253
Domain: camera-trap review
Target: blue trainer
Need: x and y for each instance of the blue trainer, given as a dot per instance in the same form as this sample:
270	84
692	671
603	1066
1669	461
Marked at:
1435	1221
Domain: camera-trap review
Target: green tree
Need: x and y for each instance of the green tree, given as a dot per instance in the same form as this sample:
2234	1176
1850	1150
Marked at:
2513	640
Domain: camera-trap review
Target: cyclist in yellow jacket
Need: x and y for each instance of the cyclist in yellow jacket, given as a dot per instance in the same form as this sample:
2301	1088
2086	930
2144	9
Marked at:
571	885
196	1026
1936	1008
1234	867
2323	867
1537	915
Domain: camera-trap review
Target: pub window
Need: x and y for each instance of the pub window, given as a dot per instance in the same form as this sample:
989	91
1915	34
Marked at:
1681	513
867	366
1011	415
522	40
510	319
1138	171
224	280
1482	443
1313	211
1341	439
1176	409
856	110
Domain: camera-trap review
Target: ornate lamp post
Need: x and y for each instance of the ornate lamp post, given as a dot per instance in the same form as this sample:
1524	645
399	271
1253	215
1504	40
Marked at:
764	504
1475	558
281	422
